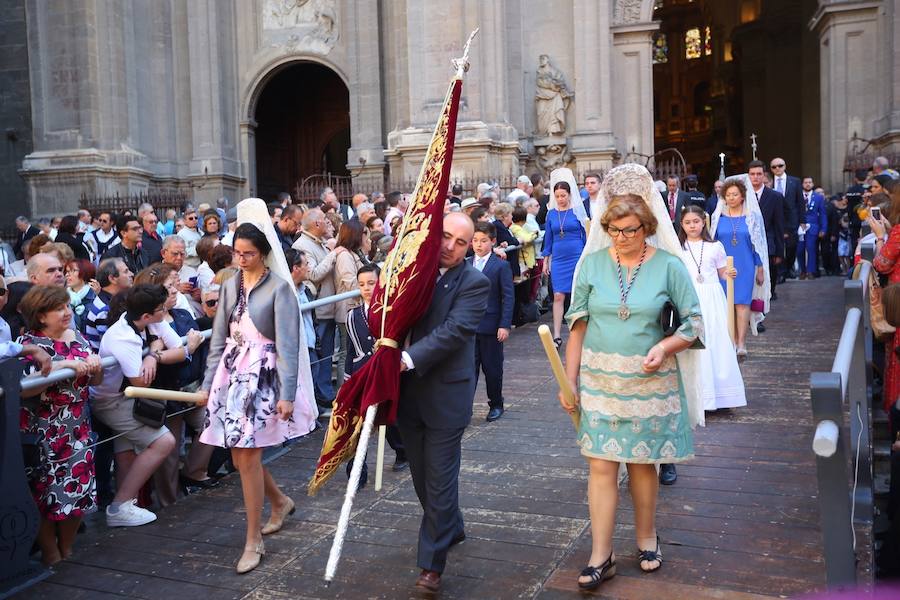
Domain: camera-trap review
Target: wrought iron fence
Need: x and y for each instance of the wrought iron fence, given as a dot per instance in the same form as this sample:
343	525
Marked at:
161	201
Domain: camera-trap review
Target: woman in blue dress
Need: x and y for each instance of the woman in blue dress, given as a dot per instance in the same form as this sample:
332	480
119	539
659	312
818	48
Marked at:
733	228
564	239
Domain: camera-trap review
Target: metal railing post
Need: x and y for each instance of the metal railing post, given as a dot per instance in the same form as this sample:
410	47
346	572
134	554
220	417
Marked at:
859	398
831	473
19	518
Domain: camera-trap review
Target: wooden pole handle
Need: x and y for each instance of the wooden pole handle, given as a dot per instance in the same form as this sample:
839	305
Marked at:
165	395
558	371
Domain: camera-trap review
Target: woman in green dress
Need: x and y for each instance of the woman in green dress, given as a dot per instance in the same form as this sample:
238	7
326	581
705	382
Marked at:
633	404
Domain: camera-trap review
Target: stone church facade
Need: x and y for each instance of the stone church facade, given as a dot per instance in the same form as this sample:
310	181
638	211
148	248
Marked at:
124	96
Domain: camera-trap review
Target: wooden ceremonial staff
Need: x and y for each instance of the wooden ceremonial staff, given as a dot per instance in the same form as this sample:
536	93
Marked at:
164	395
556	364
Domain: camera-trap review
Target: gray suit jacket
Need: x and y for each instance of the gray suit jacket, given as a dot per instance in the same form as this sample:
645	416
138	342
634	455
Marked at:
440	389
272	300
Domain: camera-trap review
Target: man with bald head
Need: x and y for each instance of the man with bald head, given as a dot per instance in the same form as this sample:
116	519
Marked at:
436	392
45	269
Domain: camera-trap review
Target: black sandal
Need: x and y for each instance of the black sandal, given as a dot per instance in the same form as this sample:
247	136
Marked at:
598	574
650	556
557	342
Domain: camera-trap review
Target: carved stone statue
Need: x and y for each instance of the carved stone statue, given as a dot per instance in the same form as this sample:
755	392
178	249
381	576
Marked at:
551	99
301	25
553	156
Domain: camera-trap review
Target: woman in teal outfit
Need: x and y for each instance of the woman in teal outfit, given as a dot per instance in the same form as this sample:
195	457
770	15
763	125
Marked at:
633	404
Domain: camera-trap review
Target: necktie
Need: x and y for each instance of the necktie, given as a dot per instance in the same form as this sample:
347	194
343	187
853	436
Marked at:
779	187
672	205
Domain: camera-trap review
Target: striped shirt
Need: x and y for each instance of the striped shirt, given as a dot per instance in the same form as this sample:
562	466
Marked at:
95	322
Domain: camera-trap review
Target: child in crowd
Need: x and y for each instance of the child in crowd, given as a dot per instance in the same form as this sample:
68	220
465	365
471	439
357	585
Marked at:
705	259
360	348
495	324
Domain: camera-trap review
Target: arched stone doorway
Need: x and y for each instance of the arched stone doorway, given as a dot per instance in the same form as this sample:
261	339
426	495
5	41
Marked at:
302	127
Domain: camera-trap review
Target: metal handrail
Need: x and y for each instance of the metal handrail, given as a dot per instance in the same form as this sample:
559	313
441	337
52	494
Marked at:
36	381
843	356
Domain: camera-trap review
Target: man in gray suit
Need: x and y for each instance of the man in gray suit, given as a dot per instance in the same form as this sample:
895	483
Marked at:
437	388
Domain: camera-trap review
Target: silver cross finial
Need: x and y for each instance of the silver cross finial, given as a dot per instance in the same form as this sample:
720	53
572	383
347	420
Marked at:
462	64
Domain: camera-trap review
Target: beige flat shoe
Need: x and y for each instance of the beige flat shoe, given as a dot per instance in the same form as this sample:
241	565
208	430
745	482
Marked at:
250	558
276	519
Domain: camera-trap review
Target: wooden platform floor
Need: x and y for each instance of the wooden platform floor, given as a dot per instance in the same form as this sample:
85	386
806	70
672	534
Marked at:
741	522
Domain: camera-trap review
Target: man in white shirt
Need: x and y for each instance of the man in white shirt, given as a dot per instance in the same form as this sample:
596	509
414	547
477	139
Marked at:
141	448
190	233
522	191
100	240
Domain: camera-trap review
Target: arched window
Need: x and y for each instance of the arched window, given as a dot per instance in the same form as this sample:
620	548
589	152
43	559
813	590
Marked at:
693	43
660	48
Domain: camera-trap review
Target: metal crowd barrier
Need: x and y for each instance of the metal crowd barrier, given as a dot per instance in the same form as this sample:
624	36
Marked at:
19	518
837	458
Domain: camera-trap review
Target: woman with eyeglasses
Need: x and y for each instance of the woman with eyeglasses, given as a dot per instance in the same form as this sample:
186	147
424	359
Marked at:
56	415
175	376
258	396
630	389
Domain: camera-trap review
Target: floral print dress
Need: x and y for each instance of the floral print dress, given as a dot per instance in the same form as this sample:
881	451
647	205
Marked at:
63	485
244	393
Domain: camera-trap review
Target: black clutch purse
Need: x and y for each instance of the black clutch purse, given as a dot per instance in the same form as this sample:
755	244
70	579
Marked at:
669	319
151	413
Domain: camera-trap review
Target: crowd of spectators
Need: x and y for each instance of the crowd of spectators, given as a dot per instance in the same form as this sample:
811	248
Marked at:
140	286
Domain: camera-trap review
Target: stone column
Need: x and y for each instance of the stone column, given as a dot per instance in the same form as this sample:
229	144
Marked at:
887	128
593	142
633	76
248	150
365	159
849	91
215	166
486	144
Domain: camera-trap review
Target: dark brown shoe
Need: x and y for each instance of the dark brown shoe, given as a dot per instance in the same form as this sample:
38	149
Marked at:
429	580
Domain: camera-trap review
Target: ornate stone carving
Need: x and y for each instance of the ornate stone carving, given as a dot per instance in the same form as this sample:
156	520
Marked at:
552	156
551	98
627	11
301	25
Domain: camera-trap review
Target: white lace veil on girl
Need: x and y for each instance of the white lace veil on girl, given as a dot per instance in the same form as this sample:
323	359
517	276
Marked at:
255	212
757	228
635	180
575	201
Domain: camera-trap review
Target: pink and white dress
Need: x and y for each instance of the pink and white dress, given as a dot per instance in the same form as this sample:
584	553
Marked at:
244	393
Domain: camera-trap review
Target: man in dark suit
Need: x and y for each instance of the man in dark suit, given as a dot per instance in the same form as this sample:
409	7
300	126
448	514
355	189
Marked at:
771	204
713	201
494	327
25	233
675	200
794	210
151	242
543	198
436	392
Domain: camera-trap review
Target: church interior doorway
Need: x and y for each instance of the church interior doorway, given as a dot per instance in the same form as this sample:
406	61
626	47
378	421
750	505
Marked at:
726	69
303	127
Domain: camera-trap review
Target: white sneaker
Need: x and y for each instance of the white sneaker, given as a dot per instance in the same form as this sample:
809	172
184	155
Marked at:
129	515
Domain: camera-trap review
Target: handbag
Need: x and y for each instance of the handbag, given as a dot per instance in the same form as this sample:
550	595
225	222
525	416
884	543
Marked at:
881	329
151	413
757	305
669	319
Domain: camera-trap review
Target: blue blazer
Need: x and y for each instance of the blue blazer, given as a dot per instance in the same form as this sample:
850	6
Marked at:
816	214
500	299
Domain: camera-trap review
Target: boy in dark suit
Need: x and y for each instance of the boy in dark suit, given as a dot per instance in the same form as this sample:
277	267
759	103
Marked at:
495	324
360	350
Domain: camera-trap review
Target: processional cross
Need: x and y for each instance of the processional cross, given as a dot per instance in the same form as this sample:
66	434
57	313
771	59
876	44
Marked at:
753	144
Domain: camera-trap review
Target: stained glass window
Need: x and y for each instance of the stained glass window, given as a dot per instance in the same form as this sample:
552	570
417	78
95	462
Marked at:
660	48
707	43
692	43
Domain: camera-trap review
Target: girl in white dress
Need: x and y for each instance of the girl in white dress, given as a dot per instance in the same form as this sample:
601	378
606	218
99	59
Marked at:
720	378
